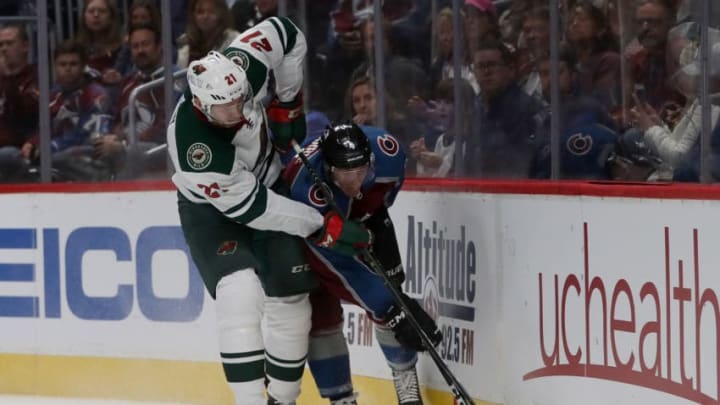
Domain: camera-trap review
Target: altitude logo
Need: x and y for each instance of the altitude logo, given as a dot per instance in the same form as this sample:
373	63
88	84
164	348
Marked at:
440	269
661	334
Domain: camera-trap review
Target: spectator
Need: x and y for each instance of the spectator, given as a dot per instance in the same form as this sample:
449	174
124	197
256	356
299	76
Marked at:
648	68
404	77
438	160
479	22
248	13
361	107
336	61
404	80
510	20
442	64
676	146
587	132
209	28
178	19
508	128
408	21
18	101
79	106
693	10
144	12
100	31
360	102
149	110
535	45
141	12
596	48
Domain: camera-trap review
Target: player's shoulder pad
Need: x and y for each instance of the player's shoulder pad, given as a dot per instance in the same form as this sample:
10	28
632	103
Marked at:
202	148
388	152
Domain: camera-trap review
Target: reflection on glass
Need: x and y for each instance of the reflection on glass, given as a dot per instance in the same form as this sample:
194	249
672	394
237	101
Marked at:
627	71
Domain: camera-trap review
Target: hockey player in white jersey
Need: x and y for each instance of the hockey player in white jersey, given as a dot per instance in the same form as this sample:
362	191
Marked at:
243	233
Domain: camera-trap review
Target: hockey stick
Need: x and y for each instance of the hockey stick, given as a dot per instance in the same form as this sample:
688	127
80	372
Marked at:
461	395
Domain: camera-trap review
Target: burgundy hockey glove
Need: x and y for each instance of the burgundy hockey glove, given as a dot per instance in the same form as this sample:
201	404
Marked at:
344	237
287	122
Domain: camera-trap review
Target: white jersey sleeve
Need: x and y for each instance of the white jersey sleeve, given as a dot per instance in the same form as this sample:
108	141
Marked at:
211	169
275	44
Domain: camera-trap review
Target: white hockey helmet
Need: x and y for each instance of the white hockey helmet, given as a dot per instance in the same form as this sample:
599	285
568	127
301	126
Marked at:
215	79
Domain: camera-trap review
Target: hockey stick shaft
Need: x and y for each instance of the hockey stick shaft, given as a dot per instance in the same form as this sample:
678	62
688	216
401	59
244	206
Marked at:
461	395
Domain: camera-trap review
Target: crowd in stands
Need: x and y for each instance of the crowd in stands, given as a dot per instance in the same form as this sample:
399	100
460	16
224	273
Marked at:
629	81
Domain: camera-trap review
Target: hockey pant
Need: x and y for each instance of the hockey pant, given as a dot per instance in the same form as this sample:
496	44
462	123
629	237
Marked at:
261	336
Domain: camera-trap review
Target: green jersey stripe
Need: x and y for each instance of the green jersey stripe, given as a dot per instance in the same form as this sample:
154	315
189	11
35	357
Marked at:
268	163
281	34
256	209
291	31
244	202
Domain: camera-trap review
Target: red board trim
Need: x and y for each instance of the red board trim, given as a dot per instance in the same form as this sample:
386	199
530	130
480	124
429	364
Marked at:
577	188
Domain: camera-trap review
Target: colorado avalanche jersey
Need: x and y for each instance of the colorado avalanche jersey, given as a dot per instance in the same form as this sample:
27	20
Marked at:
74	114
379	189
234	168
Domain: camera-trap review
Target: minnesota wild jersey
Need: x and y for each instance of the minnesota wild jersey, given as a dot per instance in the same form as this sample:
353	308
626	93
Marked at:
234	168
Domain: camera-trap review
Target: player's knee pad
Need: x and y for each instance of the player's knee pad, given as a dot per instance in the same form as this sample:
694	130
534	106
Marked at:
239	308
329	362
286	328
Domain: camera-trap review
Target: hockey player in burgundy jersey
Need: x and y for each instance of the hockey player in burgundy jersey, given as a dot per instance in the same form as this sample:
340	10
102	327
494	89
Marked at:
364	169
244	234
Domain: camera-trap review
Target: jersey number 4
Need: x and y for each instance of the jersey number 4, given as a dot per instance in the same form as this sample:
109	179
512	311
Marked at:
261	44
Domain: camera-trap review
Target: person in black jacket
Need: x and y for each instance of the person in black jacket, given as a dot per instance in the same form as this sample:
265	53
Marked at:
508	127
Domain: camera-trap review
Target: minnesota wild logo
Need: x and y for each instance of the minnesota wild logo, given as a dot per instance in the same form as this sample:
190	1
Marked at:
199	156
198	69
238	56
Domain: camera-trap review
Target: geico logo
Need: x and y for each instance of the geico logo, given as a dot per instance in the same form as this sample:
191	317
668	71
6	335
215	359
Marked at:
79	294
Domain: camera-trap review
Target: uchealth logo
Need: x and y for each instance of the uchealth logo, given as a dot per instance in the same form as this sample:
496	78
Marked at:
663	335
440	270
